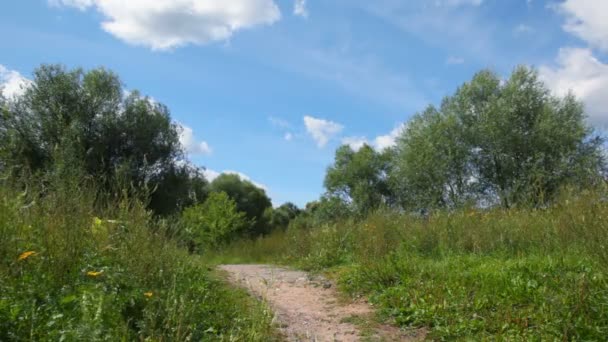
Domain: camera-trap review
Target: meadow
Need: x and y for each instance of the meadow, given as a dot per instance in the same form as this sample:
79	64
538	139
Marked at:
76	267
496	274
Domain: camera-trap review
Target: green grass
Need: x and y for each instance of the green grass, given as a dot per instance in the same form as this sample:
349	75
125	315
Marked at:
108	272
517	274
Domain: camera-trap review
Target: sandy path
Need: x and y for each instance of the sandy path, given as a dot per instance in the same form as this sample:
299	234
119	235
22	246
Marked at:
307	308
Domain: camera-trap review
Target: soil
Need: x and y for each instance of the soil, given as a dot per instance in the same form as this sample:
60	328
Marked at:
308	308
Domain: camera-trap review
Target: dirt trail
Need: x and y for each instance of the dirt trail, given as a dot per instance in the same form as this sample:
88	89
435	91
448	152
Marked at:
307	308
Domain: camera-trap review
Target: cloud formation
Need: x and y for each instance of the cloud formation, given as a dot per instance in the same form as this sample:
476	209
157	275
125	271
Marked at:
167	24
300	9
190	144
321	130
585	76
587	20
380	143
12	83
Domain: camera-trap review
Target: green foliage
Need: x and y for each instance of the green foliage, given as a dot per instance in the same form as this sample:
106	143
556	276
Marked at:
249	199
496	142
281	216
468	274
107	272
214	222
359	177
83	119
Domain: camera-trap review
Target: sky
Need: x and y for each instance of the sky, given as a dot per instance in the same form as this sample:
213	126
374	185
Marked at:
269	89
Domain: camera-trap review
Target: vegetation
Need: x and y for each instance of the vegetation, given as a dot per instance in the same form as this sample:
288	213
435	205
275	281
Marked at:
486	221
92	186
213	223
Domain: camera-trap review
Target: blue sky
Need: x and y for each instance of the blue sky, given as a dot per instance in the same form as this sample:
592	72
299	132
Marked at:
270	88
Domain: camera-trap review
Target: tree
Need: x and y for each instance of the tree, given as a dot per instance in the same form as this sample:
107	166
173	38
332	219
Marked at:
249	199
359	178
83	119
510	142
213	223
281	216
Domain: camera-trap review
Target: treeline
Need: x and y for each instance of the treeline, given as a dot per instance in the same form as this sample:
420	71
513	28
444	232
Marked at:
70	122
506	143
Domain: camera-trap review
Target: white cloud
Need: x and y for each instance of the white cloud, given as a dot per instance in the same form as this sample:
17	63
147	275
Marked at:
389	140
454	60
12	83
380	143
210	175
587	20
190	144
321	130
355	142
288	136
166	24
579	71
300	9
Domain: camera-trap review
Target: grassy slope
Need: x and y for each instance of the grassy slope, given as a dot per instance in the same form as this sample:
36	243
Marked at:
518	274
114	278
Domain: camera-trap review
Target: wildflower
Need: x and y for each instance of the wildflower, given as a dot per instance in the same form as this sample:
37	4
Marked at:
26	255
94	274
148	294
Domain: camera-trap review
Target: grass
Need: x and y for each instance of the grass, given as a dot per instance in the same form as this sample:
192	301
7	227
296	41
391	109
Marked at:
518	274
72	269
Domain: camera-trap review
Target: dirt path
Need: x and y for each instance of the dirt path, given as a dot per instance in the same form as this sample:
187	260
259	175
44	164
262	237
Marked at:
307	308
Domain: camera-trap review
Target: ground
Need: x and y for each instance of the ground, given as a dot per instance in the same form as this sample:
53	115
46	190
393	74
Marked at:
308	308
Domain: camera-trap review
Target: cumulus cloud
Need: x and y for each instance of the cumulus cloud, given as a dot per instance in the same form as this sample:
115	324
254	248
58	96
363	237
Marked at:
300	9
587	20
380	143
12	83
210	175
355	142
190	144
389	140
166	24
321	130
578	71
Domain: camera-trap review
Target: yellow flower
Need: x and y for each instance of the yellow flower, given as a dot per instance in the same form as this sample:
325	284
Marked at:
26	255
148	294
94	274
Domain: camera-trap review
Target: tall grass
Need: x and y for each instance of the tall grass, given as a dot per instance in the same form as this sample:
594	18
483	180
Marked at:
76	267
483	274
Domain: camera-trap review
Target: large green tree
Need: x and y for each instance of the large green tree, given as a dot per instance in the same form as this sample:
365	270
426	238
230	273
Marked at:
83	119
359	178
249	199
506	142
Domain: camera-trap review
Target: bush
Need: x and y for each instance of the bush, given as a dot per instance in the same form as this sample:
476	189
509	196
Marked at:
213	223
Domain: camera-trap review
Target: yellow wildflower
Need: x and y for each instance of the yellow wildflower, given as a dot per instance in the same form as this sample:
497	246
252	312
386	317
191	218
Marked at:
94	274
26	255
148	294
